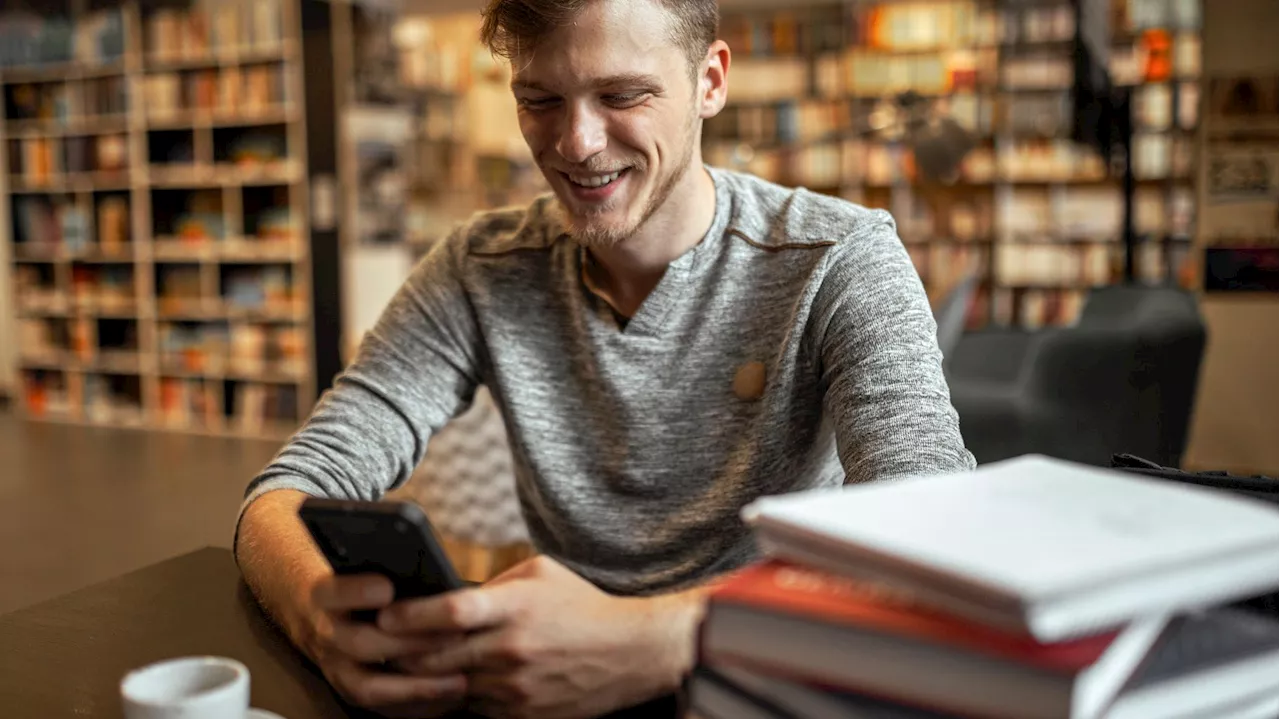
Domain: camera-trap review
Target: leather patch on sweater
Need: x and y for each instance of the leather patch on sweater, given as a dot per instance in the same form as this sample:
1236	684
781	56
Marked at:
748	383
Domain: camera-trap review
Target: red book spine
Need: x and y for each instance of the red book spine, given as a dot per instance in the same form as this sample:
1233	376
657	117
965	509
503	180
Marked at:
810	594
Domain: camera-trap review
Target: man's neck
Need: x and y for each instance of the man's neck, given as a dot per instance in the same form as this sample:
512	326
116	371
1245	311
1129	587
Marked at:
627	272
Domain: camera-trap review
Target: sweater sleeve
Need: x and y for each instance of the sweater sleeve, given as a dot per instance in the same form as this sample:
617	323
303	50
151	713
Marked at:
415	370
881	367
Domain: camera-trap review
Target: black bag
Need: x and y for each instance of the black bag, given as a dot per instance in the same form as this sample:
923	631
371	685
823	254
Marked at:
1257	487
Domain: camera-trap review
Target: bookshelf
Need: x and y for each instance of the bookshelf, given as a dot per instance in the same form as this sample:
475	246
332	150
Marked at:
156	213
467	151
1033	215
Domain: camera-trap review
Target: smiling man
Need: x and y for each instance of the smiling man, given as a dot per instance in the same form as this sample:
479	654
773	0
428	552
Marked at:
666	342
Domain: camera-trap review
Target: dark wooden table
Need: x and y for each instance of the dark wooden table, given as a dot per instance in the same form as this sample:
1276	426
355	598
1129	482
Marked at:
66	657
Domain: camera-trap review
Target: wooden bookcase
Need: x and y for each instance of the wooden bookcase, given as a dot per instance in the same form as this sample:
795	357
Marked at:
1032	214
155	205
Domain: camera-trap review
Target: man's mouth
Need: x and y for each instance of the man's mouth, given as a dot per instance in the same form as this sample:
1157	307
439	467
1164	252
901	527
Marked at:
595	180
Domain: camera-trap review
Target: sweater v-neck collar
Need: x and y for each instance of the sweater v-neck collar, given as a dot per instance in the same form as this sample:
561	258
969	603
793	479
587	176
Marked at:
650	317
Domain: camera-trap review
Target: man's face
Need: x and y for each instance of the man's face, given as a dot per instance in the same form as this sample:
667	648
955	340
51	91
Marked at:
608	107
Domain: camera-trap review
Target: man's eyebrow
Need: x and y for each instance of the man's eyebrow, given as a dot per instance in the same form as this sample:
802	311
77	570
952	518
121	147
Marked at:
521	85
629	79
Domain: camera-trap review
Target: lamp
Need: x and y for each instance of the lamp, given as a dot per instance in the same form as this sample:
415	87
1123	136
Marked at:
936	140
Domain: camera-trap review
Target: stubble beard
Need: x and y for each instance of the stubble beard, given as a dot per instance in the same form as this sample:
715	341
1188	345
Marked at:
597	236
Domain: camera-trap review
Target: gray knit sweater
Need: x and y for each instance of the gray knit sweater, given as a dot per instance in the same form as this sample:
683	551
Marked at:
634	447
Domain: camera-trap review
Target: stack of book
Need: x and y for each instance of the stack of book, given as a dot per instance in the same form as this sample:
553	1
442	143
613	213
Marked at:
1030	589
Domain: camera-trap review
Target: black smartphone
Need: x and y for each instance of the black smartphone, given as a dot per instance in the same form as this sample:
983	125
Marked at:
393	539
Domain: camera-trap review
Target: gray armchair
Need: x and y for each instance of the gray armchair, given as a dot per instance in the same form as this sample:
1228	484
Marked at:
1122	380
952	313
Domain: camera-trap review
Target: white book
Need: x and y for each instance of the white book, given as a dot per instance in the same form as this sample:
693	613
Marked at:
1034	544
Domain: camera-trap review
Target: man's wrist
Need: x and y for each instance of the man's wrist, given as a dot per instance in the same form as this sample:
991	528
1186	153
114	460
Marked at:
670	628
280	565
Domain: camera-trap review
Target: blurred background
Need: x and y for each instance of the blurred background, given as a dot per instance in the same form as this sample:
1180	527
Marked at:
205	204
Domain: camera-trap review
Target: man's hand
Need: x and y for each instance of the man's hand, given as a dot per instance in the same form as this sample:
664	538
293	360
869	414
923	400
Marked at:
352	654
541	641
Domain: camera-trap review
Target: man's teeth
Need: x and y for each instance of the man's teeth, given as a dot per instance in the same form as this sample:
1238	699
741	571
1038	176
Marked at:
594	180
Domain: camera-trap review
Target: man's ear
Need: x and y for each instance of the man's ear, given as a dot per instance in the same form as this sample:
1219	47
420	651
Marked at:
713	85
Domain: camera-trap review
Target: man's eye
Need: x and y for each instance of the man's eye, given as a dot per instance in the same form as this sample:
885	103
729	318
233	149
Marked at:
536	103
628	99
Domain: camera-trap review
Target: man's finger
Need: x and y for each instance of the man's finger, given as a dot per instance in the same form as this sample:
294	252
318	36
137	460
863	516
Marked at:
495	688
463	610
373	689
355	591
492	650
366	643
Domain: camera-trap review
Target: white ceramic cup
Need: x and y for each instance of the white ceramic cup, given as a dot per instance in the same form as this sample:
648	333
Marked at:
187	688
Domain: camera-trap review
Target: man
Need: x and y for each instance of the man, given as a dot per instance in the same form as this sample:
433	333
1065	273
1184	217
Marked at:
666	342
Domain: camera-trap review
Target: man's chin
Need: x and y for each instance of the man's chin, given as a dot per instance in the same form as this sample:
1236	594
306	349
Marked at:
593	229
595	235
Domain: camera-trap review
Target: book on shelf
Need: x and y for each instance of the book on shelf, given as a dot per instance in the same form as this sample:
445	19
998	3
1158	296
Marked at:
250	407
179	289
45	393
1173	14
42	340
52	104
235	92
254	150
1029	115
1052	71
39	160
260	349
83	338
258	406
773	34
870	638
267	288
226	28
110	400
1050	265
1033	544
28	40
190	403
199	217
760	80
113	224
45	227
1054	160
433	60
193	347
163	95
1032	308
248	353
106	97
35	289
45	161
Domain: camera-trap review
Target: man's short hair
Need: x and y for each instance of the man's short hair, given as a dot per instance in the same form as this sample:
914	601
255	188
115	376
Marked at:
515	26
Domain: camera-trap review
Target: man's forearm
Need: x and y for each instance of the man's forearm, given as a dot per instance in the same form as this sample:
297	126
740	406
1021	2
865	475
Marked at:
278	558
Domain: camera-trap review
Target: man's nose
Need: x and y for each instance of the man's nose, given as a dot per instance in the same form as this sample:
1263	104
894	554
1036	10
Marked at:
582	135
